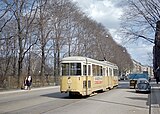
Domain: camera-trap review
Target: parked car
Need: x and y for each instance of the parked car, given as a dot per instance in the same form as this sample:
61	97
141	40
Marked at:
134	77
143	85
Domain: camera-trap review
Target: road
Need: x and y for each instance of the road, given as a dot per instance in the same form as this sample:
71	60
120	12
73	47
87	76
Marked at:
121	100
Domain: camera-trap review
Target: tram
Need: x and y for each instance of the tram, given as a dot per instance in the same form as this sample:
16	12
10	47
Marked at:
85	76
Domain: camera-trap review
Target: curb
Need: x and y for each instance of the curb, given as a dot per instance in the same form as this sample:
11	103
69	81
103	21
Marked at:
21	91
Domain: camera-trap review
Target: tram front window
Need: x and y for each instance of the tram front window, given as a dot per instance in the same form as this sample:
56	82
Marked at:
71	69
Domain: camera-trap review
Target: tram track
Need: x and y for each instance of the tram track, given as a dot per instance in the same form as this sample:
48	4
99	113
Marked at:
46	107
37	104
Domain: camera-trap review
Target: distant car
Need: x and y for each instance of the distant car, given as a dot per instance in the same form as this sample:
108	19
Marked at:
123	77
134	77
143	85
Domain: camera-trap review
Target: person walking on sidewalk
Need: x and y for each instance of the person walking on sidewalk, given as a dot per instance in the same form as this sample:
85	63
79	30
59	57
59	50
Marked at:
25	83
157	74
29	82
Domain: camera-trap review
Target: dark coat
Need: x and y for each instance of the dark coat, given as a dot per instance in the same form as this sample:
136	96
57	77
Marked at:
29	82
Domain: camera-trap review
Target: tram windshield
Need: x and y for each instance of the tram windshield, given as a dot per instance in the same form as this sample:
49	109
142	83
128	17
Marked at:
71	69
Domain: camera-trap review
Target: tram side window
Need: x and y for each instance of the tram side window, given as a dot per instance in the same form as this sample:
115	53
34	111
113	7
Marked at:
107	71
115	71
104	72
94	70
78	69
101	70
84	69
110	72
98	70
89	70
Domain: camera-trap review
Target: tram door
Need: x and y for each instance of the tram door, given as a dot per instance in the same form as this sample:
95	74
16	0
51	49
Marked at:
110	78
86	73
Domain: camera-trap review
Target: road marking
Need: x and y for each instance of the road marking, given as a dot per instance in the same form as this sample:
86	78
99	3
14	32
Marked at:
156	87
155	105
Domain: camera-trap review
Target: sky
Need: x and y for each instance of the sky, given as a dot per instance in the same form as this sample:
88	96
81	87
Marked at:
108	12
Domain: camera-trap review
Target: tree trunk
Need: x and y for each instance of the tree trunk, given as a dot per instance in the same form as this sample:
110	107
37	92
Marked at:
20	59
156	49
42	66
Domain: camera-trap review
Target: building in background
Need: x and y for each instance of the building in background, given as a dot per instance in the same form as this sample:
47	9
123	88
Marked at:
139	68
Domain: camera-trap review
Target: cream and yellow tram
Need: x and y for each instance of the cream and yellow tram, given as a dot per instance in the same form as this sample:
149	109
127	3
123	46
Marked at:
84	76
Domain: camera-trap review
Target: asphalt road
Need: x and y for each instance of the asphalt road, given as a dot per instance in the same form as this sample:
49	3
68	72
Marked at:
49	100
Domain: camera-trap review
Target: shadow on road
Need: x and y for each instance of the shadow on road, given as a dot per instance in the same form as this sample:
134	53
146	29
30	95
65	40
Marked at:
118	103
138	98
57	95
61	96
131	91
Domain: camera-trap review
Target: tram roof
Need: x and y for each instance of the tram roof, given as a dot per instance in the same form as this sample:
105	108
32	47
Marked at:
85	59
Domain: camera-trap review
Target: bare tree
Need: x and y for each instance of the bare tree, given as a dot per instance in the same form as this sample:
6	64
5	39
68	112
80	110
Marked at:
41	31
44	31
5	18
140	18
61	15
23	13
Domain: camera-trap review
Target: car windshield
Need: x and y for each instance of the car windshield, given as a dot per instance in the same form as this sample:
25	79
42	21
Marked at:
142	81
143	86
137	76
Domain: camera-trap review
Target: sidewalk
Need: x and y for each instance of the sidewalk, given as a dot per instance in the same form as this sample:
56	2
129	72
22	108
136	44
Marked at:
155	98
21	90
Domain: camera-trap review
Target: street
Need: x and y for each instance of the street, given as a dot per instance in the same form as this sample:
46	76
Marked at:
49	100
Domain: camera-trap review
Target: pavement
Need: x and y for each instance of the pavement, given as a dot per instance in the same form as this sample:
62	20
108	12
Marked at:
22	90
155	98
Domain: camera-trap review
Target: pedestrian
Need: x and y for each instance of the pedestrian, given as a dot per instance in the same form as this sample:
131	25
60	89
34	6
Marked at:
25	83
157	79
24	86
29	82
157	74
